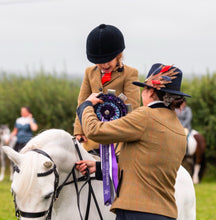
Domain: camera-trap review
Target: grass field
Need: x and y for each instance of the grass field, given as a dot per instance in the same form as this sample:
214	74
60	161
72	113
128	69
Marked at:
205	197
206	201
6	201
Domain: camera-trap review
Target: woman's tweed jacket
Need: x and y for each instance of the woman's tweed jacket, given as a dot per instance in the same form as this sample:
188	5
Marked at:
121	81
154	146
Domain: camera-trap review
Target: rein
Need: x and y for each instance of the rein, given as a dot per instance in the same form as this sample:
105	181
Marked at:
91	191
57	189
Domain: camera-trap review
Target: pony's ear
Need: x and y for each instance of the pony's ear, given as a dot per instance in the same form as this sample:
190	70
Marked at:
12	155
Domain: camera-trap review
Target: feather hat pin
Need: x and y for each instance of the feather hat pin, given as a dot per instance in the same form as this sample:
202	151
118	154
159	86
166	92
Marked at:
165	78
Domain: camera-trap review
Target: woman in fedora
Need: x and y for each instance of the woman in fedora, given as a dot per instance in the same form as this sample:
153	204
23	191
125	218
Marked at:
154	146
104	48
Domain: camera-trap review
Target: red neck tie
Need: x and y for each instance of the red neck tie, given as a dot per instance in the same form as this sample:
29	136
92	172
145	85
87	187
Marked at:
106	77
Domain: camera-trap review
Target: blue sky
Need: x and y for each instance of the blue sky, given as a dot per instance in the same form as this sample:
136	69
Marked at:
52	33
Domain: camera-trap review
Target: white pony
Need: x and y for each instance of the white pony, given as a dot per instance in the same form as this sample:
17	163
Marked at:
5	140
33	183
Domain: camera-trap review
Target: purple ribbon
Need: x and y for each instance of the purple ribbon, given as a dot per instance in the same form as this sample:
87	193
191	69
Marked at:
112	108
104	151
114	168
109	172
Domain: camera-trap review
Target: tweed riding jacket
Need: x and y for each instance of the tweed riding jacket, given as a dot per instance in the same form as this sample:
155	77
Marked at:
121	81
154	146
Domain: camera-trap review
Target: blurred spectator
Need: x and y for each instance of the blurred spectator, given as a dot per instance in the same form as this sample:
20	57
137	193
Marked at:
184	114
23	128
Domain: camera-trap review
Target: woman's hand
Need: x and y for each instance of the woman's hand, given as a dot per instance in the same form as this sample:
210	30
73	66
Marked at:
94	99
33	125
82	165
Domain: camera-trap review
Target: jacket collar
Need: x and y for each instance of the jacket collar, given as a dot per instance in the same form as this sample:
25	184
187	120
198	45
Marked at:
157	104
116	74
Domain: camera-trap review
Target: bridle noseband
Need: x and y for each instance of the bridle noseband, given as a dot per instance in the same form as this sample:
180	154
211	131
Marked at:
57	189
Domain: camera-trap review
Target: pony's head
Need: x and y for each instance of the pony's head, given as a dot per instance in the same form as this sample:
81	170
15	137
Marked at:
35	179
33	182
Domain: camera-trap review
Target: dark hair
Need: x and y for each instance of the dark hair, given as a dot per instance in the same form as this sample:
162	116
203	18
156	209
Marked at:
28	108
176	103
160	94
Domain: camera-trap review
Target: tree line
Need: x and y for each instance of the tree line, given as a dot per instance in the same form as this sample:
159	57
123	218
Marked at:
53	101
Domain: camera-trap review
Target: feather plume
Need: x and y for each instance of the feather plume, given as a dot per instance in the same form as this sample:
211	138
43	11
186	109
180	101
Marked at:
165	76
165	68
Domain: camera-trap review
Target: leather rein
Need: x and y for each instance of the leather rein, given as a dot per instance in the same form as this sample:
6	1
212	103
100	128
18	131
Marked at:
57	189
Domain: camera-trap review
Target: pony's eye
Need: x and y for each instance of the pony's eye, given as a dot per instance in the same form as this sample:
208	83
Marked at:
48	195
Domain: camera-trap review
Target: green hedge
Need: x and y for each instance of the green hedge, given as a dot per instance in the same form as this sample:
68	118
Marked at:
53	100
203	104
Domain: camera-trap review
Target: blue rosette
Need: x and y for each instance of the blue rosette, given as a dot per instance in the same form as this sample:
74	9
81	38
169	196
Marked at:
112	108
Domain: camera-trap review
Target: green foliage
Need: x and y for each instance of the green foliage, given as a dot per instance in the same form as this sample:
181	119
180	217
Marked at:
203	104
53	100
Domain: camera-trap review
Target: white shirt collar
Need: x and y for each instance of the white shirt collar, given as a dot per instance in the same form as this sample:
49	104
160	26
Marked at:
154	102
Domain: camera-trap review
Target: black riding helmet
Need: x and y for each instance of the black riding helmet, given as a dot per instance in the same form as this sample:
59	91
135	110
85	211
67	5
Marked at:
104	43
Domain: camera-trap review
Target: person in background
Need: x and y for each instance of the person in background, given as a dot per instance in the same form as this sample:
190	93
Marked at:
154	146
184	114
104	48
24	128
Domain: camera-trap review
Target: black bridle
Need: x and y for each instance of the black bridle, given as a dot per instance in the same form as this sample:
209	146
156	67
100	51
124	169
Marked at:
57	189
